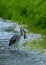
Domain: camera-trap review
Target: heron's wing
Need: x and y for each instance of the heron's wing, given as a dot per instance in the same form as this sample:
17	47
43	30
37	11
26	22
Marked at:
15	38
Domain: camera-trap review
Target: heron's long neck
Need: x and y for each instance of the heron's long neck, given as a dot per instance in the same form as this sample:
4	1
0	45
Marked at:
21	32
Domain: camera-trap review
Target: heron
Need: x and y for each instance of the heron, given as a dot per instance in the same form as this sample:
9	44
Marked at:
15	38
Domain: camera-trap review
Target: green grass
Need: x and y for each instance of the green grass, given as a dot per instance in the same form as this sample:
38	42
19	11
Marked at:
30	12
36	45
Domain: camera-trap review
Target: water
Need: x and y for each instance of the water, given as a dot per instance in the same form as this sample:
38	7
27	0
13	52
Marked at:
8	56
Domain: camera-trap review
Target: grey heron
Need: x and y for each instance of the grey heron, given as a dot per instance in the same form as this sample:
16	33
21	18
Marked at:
15	39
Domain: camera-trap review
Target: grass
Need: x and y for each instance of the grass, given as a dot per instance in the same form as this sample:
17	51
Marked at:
36	45
30	12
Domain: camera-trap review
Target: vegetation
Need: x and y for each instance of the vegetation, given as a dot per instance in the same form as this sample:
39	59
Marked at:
31	12
36	44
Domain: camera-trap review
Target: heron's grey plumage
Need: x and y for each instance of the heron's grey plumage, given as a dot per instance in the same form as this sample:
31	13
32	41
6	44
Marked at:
16	37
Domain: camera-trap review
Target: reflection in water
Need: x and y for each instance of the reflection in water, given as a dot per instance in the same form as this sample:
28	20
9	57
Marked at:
17	57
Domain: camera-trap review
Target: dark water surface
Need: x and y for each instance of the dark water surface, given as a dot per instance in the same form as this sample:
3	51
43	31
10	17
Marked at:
8	56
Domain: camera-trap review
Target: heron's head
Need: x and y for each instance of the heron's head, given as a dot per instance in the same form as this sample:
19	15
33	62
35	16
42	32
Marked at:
23	32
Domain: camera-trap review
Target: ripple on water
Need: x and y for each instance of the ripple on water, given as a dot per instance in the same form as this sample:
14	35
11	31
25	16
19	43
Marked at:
17	57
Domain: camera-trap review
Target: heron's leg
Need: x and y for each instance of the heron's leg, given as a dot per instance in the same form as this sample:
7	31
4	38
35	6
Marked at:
17	47
13	48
